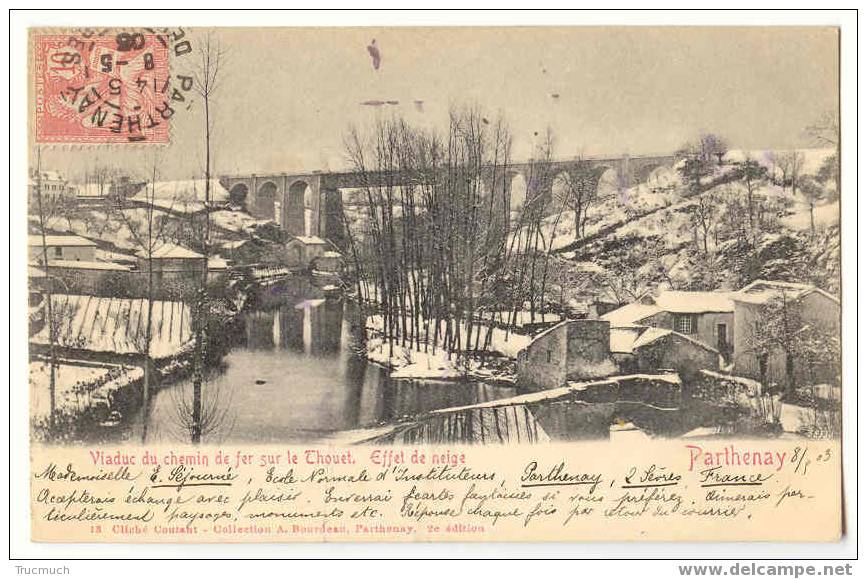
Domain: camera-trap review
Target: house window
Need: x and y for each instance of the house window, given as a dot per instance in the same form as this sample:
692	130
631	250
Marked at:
58	252
549	356
684	324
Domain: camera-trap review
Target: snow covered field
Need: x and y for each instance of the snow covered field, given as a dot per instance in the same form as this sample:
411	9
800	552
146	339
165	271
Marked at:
76	385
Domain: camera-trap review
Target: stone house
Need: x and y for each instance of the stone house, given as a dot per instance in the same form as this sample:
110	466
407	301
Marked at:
722	321
173	263
302	250
61	247
571	350
55	187
652	350
577	350
707	317
809	306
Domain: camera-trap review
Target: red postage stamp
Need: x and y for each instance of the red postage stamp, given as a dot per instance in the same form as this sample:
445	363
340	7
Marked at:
106	88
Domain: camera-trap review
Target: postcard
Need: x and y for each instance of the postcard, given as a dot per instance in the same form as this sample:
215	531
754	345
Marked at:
434	284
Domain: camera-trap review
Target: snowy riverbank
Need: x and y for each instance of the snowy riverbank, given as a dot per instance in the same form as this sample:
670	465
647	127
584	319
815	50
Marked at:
427	362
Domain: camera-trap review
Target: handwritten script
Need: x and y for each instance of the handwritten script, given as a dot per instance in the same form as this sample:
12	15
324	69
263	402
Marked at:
666	490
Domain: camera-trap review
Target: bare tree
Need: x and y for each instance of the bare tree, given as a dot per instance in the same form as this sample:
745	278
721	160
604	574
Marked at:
793	163
703	214
752	174
576	189
435	234
713	148
49	311
813	191
708	149
826	132
781	329
216	418
206	82
148	234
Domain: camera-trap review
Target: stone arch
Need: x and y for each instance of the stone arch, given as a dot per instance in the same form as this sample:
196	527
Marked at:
238	194
295	208
610	181
266	197
658	176
517	191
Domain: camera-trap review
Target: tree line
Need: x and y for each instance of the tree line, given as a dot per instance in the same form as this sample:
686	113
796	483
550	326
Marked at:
441	245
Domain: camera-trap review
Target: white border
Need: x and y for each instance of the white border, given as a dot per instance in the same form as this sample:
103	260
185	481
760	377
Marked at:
22	547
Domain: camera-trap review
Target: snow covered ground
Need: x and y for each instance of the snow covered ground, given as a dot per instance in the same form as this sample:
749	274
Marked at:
76	385
506	343
523	317
411	363
236	221
811	159
823	216
66	378
408	362
606	210
184	193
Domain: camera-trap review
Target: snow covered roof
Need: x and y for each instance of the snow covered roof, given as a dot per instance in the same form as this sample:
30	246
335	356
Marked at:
217	263
60	241
547	331
49	176
332	254
683	302
625	340
183	190
103	255
235	244
761	291
649	336
630	314
107	324
695	302
622	339
93	190
97	265
172	251
311	240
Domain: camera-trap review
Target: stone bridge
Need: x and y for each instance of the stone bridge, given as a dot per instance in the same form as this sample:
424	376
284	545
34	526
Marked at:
310	203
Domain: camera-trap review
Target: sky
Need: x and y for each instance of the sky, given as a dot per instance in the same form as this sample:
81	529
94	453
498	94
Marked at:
288	95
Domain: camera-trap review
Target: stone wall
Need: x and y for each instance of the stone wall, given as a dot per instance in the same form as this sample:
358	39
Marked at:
678	353
588	354
571	350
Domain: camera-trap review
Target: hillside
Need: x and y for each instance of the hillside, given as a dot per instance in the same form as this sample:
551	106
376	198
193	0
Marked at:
678	237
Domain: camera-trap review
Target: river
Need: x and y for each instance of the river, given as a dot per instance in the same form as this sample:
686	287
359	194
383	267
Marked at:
293	374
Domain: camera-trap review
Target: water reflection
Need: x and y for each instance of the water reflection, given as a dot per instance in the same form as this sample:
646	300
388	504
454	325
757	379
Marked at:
294	375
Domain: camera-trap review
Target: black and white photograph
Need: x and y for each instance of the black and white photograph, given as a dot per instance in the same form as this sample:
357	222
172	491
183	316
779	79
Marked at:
563	245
